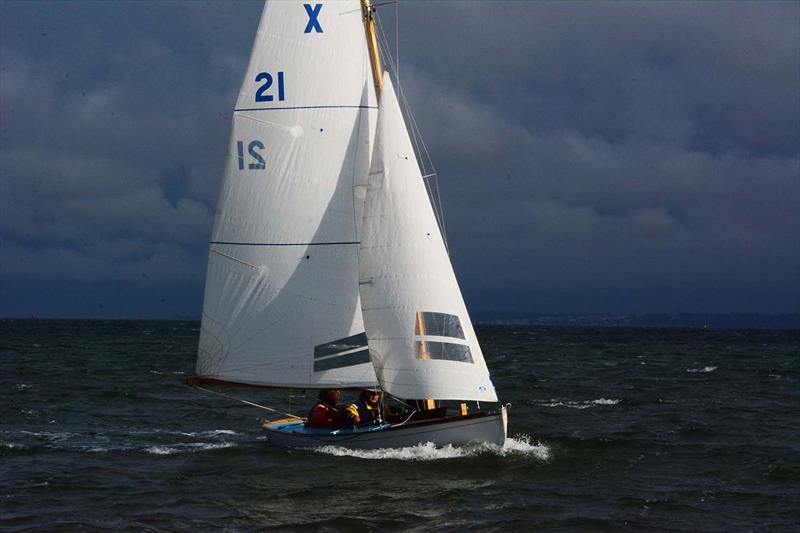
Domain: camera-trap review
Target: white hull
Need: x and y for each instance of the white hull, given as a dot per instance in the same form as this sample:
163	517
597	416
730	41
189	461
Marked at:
489	428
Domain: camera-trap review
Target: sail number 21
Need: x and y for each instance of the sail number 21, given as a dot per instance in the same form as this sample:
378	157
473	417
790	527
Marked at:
253	148
261	93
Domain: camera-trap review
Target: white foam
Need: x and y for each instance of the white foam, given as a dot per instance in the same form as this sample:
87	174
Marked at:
188	447
574	404
428	452
173	373
606	401
13	446
523	445
704	369
207	433
50	435
96	449
23	386
219	432
161	450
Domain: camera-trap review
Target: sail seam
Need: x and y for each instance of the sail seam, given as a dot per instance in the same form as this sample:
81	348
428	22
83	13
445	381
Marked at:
306	107
234	243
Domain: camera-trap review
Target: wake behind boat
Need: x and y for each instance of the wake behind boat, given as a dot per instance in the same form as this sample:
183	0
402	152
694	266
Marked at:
327	267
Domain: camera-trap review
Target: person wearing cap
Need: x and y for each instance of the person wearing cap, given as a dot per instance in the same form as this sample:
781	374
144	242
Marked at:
325	413
365	412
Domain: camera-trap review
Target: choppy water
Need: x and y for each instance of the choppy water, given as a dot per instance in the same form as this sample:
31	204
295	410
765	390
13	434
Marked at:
611	429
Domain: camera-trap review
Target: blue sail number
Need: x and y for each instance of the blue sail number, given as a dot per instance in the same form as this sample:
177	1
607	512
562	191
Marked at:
258	162
266	77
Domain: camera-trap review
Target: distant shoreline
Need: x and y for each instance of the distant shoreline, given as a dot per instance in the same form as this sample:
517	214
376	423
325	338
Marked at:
676	320
660	320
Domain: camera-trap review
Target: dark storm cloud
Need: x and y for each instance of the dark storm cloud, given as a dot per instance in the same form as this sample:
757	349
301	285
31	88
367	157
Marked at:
591	156
114	131
648	148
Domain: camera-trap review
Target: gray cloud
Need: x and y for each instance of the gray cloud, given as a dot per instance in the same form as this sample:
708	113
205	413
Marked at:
591	156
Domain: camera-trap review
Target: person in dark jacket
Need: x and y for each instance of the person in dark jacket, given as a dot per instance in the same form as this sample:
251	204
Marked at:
365	412
325	413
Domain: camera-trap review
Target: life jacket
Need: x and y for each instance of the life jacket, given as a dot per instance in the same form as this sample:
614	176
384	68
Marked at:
323	415
369	414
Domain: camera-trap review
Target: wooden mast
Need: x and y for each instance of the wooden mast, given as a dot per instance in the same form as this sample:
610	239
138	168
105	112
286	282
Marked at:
377	74
372	42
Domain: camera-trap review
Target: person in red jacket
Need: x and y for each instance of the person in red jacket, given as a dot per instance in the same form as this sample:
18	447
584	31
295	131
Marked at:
325	413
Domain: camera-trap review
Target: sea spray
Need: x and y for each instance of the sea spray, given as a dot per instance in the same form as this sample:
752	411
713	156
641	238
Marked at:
520	446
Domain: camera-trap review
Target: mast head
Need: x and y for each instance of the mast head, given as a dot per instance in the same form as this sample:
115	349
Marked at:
372	43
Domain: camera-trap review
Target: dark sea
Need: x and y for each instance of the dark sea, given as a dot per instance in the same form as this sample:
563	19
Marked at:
611	429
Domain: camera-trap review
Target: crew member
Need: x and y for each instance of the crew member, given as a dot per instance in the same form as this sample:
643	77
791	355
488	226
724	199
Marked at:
325	413
365	412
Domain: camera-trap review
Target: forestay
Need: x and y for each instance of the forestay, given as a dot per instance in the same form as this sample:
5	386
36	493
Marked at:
281	302
420	336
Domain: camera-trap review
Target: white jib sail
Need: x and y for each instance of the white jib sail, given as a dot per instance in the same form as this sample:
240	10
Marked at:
420	336
281	304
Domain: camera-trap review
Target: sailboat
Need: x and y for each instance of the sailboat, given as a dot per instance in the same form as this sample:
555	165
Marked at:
327	267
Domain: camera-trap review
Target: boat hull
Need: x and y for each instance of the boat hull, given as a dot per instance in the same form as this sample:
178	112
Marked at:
478	428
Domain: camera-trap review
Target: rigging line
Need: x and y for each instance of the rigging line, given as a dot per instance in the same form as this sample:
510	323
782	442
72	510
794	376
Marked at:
404	421
394	66
416	138
415	132
244	401
438	199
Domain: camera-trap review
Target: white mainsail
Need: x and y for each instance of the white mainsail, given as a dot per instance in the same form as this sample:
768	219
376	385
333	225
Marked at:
420	336
281	304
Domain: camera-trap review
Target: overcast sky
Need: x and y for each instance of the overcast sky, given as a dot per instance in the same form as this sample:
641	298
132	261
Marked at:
593	157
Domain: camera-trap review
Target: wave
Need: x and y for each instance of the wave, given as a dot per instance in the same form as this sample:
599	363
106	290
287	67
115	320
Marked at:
214	433
520	446
575	404
120	440
704	369
50	435
207	433
12	446
188	447
168	373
